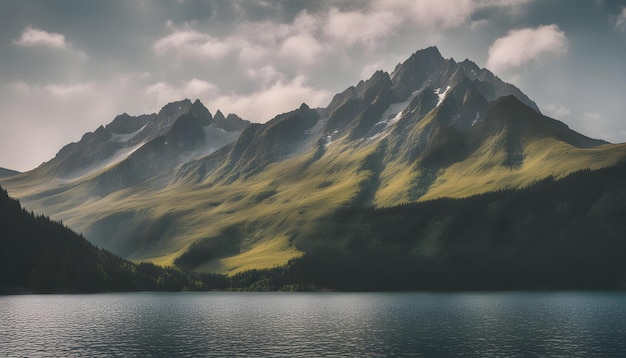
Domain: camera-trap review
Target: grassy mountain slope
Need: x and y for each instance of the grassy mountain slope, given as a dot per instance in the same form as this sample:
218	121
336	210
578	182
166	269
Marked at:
39	255
432	129
555	234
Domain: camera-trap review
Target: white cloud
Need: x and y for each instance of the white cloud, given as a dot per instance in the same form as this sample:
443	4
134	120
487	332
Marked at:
263	104
478	24
383	18
191	43
369	69
521	46
360	27
253	43
433	14
69	91
555	110
513	6
33	37
620	20
592	116
62	114
306	23
598	125
266	75
163	92
56	90
277	96
265	67
20	87
302	48
304	43
366	22
595	125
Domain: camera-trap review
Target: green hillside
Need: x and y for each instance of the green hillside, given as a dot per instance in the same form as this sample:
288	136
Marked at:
39	255
555	234
432	129
566	233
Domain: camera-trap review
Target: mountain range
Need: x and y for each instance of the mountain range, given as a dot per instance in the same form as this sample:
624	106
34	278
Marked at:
7	172
215	193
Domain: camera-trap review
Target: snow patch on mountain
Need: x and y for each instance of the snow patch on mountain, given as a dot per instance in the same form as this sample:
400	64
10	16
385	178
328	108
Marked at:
218	137
391	115
329	138
123	138
214	138
116	158
441	95
476	119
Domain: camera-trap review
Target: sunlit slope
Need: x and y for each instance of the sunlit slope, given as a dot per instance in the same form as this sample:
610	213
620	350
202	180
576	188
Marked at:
245	215
265	219
511	146
434	128
237	225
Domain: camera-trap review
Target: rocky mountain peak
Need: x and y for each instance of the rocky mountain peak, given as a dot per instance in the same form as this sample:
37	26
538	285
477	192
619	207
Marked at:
176	105
232	122
201	112
174	110
470	67
428	68
219	116
431	52
424	68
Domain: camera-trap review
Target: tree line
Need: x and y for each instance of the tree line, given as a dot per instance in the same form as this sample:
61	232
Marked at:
555	234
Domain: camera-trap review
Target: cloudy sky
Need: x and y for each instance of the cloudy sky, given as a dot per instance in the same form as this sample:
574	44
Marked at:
68	66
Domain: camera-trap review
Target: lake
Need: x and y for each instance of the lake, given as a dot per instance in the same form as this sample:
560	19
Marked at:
314	324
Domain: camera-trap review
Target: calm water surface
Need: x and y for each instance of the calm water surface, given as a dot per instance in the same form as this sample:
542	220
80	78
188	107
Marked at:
314	324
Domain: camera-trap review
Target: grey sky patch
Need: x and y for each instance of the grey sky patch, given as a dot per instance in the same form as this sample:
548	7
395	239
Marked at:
94	60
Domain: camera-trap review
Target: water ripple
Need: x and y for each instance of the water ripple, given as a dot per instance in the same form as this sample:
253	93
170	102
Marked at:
313	324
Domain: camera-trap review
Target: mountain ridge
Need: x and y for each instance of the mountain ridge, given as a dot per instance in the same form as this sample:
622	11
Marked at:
4	172
434	128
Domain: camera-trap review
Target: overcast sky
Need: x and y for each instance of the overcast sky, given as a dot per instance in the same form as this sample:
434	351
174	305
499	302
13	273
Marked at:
68	66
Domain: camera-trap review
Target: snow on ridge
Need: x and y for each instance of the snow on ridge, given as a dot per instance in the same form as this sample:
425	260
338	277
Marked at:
214	139
441	95
476	119
395	110
123	138
329	138
219	135
106	163
391	115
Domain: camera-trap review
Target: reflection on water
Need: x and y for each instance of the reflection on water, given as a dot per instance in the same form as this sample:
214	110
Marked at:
314	324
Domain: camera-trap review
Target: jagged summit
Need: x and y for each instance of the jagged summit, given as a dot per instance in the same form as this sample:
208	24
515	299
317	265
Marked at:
219	116
217	193
463	90
428	68
230	123
189	125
